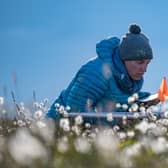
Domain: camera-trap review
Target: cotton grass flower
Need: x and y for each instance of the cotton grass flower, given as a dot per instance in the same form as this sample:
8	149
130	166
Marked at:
78	120
40	124
1	101
65	114
76	129
82	145
136	115
109	117
61	109
44	129
25	148
63	145
126	157
64	124
87	125
67	108
124	106
57	105
46	100
134	107
107	145
131	99
124	120
21	123
163	122
142	109
166	114
142	126
92	136
130	110
118	105
136	96
38	114
3	112
109	132
145	126
122	135
156	130
159	145
130	134
133	150
116	128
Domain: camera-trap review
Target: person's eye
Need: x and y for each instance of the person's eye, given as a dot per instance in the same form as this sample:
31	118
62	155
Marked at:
140	62
148	62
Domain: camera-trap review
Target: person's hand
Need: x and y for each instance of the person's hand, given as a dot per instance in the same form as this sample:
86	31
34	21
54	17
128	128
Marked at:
151	103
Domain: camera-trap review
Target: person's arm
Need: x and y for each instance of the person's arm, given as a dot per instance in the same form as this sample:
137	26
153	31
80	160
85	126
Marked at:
88	87
148	99
85	92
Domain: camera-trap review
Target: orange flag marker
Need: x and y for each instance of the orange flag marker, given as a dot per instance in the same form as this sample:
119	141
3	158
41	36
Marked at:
163	90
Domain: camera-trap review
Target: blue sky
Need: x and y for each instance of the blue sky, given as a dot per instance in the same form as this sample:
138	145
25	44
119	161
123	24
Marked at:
45	42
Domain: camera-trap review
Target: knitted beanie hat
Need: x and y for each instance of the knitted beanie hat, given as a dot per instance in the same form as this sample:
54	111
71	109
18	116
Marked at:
135	45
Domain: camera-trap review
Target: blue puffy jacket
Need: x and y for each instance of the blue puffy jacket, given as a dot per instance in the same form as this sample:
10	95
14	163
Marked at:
100	83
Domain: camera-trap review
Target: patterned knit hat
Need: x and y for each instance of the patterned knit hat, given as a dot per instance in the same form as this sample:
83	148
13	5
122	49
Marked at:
135	45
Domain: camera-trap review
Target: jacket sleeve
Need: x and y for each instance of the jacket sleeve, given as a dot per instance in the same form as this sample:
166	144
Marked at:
88	87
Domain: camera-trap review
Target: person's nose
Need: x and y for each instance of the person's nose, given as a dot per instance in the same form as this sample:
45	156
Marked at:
144	68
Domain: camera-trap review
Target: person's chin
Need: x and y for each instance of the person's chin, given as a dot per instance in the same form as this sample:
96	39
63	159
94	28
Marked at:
137	77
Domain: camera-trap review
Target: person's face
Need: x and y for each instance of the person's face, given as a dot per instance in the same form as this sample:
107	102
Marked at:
137	68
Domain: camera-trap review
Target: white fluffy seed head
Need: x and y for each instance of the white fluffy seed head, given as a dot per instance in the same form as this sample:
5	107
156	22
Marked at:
166	114
136	115
131	99
38	114
130	134
1	100
67	108
109	117
61	109
57	105
64	123
134	107
124	117
87	125
125	106
135	95
130	110
118	105
65	114
116	128
142	109
122	135
78	120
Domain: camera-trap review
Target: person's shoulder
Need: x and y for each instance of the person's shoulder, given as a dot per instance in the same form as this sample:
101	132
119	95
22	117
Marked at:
93	64
97	67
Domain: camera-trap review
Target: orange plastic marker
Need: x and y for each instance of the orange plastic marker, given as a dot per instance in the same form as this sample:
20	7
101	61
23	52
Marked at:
163	91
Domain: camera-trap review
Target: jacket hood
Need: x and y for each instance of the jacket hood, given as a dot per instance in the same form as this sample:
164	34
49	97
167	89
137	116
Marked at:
106	47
